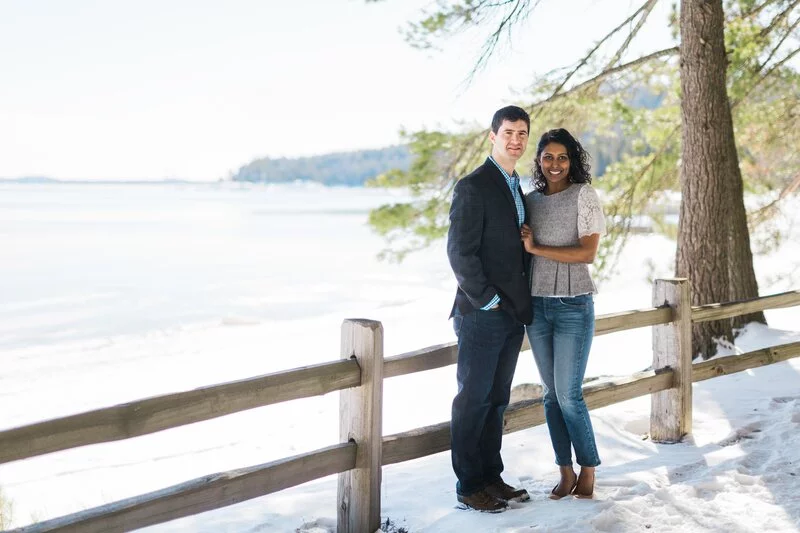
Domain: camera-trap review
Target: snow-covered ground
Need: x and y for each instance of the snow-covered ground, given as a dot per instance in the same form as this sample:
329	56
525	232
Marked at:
737	472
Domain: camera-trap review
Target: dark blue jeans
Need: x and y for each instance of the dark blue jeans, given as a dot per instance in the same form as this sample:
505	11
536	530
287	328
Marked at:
488	348
561	336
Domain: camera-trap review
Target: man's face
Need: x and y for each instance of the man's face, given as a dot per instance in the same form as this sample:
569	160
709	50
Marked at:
510	141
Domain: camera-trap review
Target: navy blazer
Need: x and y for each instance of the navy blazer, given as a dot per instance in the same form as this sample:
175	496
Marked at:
484	245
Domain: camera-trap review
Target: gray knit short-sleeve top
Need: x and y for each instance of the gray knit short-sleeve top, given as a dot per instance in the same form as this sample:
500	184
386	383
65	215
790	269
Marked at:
560	220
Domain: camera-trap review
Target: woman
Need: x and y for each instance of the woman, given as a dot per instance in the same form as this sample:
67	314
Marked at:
566	224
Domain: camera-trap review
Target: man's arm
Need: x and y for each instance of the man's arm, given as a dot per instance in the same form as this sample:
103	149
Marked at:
463	245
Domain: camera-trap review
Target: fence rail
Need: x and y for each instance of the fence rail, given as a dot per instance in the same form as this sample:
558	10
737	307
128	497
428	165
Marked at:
364	449
204	494
705	313
731	364
158	413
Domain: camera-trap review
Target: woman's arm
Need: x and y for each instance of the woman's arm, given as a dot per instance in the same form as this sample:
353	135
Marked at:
583	253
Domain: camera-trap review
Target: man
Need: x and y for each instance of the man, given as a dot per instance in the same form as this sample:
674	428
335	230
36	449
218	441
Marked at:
492	306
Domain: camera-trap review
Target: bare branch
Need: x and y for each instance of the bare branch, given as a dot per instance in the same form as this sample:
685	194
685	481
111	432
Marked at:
643	9
646	10
780	17
767	211
516	15
606	74
758	9
780	43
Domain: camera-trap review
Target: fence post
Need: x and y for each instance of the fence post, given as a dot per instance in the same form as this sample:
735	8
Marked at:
671	410
360	421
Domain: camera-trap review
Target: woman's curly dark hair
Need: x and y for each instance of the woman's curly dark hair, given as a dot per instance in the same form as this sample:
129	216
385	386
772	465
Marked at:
578	158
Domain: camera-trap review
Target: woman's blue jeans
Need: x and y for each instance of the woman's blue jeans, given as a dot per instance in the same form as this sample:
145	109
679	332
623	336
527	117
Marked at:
561	336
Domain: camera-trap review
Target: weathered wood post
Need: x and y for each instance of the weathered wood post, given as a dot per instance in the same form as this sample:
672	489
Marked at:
360	421
671	410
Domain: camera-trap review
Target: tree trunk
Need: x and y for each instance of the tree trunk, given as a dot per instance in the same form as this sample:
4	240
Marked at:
742	276
708	151
743	284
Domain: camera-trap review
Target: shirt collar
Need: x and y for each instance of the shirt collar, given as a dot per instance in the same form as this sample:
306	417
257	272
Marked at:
513	176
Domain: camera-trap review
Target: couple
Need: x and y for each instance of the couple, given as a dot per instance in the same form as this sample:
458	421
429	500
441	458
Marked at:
498	239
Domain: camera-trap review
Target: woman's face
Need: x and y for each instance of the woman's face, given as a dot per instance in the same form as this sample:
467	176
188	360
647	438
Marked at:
554	161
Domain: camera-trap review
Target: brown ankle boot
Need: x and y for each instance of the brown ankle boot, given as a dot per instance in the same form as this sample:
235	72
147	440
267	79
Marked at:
568	481
584	485
503	491
482	501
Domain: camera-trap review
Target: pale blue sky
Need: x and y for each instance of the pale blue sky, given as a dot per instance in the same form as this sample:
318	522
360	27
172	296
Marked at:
194	89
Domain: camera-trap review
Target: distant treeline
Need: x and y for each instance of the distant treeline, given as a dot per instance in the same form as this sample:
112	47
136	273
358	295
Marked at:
346	168
355	168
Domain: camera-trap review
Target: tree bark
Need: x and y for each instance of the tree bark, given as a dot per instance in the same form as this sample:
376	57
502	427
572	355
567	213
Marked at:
708	153
743	284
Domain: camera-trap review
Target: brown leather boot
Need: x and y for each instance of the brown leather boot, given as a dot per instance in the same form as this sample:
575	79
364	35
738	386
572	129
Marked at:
567	484
482	501
503	491
584	487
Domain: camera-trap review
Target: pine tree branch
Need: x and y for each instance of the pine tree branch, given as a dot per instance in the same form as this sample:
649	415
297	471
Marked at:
643	9
518	13
667	52
647	9
780	17
758	9
629	195
775	49
768	210
766	75
597	46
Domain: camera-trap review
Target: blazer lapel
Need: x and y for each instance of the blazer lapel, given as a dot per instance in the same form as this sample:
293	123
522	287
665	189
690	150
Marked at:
501	183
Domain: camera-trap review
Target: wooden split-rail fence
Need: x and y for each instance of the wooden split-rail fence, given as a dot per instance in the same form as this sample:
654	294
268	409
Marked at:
363	449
